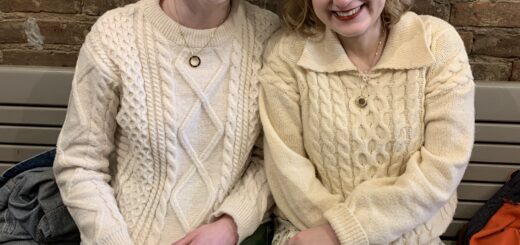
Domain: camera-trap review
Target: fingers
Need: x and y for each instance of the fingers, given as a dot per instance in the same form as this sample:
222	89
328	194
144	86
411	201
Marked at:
290	242
294	240
186	240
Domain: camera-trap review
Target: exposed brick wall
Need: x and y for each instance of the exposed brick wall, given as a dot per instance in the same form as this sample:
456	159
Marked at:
63	25
490	30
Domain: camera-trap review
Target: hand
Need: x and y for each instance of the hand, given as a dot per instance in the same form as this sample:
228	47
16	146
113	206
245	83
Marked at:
323	235
221	232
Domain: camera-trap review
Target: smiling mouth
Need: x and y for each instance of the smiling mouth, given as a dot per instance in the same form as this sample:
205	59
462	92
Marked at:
349	14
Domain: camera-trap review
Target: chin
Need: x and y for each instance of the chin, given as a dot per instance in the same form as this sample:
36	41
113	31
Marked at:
350	31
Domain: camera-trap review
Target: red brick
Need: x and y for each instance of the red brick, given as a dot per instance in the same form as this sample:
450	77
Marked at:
56	32
4	5
39	58
491	71
430	7
515	76
54	6
498	14
497	44
467	37
12	32
98	7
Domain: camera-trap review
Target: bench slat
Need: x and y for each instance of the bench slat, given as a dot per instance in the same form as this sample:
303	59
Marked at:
466	210
35	85
496	153
489	172
32	115
496	132
449	242
17	153
5	166
28	135
497	101
477	191
454	228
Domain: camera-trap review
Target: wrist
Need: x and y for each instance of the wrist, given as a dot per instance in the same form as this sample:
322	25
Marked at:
230	225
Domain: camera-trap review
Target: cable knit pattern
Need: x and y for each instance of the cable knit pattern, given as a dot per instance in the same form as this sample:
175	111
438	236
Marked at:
152	148
383	174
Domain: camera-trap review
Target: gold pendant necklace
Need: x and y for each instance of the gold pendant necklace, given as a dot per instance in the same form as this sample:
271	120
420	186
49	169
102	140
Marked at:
194	60
362	99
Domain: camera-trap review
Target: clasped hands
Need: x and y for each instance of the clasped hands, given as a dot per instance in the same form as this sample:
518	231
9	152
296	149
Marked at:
322	235
221	232
224	232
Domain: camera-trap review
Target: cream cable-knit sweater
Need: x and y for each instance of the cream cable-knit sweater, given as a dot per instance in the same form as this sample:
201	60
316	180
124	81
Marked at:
387	173
146	136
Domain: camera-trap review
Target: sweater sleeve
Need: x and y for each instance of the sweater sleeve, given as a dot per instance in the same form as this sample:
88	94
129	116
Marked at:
82	163
386	208
298	193
250	199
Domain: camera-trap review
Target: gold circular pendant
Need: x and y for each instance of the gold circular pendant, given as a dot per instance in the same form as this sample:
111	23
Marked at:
194	61
361	102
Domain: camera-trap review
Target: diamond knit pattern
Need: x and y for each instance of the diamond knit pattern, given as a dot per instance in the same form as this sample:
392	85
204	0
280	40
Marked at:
201	110
131	148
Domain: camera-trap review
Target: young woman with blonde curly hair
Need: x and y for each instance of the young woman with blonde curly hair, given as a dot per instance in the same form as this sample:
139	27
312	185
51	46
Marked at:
368	117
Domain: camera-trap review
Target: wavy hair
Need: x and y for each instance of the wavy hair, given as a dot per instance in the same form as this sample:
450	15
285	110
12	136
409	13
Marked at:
299	16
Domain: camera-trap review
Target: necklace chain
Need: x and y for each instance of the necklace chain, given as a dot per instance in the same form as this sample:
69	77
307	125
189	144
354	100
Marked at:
362	100
377	52
194	59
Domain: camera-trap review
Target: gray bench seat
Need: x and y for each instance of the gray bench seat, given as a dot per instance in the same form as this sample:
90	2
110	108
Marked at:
33	104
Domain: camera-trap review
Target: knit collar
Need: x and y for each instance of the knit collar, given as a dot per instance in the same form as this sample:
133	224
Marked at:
194	37
406	48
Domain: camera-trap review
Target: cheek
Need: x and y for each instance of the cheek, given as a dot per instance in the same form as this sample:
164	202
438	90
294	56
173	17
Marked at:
378	6
321	9
374	10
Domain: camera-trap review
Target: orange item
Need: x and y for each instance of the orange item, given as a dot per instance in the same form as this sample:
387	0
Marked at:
502	229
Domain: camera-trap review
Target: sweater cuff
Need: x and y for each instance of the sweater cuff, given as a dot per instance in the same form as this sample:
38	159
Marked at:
117	237
346	226
245	217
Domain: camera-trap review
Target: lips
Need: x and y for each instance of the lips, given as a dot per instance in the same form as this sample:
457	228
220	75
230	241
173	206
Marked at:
348	14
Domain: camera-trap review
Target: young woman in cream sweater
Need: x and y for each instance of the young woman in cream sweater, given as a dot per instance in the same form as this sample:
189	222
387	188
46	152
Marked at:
158	143
368	118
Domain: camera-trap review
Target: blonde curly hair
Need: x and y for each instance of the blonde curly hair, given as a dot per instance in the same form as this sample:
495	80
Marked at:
299	16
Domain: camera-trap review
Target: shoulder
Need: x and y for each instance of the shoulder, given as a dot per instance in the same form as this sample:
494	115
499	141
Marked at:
116	22
285	45
111	34
263	21
451	67
441	35
435	26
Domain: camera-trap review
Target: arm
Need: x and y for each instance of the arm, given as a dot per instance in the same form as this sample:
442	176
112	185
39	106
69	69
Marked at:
298	193
85	142
250	199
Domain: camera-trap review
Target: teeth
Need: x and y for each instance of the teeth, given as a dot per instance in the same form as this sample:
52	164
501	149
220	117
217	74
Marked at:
349	13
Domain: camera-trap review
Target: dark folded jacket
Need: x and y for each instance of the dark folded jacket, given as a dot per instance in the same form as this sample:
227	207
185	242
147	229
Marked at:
31	208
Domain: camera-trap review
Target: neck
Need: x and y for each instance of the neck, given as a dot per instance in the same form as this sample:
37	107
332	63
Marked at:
197	14
362	49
